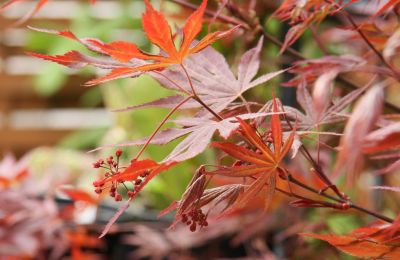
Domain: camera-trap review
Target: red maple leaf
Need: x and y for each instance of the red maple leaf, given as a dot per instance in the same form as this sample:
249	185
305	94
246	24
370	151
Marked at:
376	241
263	165
80	195
139	172
387	6
303	14
383	144
157	31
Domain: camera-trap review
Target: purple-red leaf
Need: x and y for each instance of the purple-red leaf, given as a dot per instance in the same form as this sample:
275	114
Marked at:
249	64
242	153
212	78
390	188
158	32
363	118
114	218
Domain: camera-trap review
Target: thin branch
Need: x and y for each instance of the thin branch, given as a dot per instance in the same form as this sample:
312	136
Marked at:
197	98
160	125
189	80
258	28
247	105
351	205
320	173
293	180
298	55
318	40
370	45
173	82
221	17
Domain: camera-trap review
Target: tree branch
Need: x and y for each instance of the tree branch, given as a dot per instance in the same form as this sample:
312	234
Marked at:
258	28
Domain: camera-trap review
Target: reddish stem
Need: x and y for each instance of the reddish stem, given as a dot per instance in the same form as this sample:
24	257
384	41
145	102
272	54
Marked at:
370	45
221	17
347	83
298	55
351	205
160	125
173	82
197	98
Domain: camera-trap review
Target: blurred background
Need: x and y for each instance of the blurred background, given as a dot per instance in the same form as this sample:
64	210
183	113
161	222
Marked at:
49	122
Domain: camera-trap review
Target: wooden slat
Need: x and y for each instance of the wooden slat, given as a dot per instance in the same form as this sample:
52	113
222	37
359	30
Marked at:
17	94
21	141
7	50
20	87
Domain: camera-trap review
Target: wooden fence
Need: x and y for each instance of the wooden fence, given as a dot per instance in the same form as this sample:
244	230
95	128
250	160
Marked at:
27	119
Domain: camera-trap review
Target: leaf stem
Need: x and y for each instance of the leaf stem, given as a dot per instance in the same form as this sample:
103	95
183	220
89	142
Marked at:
189	80
197	98
221	17
249	25
342	79
160	125
352	205
318	40
370	45
258	28
173	82
320	173
247	105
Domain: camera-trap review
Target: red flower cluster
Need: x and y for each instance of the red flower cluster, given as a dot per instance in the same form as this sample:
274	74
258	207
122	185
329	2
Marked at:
111	177
131	178
193	218
112	167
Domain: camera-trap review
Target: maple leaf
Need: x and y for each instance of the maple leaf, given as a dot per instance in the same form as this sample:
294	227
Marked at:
79	195
213	80
198	132
157	31
196	197
362	120
386	142
386	6
392	47
12	171
311	69
25	223
212	197
376	241
316	113
80	241
135	170
302	14
193	192
140	172
382	37
386	138
263	166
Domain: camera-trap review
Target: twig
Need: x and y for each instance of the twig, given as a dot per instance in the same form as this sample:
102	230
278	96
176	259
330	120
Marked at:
320	173
342	79
351	205
221	17
160	125
370	45
318	40
197	98
298	55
